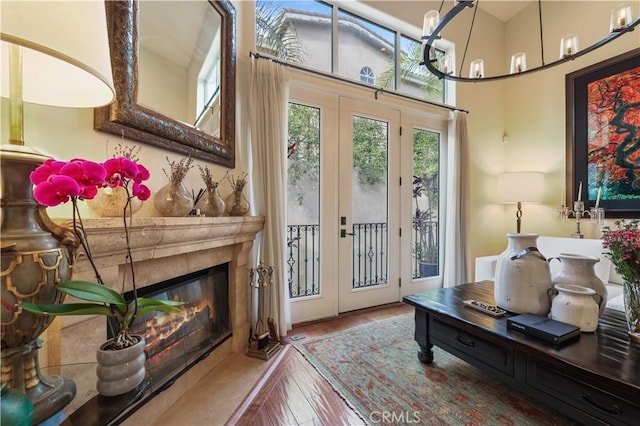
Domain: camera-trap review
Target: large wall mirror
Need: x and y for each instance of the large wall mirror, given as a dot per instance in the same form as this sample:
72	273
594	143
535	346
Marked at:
174	72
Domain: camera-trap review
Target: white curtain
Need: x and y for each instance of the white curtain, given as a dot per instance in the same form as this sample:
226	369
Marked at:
268	100
456	258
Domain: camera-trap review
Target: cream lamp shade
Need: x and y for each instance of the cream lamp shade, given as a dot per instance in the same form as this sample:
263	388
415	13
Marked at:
519	187
65	51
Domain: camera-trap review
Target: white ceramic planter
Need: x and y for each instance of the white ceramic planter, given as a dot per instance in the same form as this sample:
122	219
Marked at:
522	277
120	371
575	305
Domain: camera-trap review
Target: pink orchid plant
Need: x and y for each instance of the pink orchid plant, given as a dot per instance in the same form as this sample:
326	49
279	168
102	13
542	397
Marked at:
58	182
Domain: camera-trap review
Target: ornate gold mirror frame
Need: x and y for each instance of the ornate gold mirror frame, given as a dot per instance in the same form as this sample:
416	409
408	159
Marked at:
125	117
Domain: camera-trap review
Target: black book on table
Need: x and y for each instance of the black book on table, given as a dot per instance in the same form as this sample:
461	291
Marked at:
543	327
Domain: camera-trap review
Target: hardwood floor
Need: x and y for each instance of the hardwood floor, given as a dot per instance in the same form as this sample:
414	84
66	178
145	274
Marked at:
293	392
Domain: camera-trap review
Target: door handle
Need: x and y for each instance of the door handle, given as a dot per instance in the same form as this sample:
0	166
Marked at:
344	233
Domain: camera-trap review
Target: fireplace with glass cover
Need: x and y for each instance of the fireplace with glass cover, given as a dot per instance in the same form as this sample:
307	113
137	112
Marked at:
174	343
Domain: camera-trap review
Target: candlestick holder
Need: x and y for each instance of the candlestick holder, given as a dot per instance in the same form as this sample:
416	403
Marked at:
579	213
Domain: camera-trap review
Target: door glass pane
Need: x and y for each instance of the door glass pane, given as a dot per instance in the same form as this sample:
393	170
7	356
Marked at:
303	201
425	236
369	202
361	44
296	31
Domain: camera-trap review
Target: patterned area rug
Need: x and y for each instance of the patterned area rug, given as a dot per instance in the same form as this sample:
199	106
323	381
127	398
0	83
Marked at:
375	369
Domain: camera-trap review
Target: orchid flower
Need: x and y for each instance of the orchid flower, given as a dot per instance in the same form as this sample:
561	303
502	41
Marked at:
57	182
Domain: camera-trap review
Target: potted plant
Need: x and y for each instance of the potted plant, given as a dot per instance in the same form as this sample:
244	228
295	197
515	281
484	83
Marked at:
425	248
58	182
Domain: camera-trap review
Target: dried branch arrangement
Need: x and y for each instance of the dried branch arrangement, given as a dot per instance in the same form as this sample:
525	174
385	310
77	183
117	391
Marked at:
127	151
207	178
179	169
237	183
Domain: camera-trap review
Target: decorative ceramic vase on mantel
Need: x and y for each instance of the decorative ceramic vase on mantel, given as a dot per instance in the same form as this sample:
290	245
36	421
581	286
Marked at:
236	204
523	277
211	204
110	202
173	200
121	371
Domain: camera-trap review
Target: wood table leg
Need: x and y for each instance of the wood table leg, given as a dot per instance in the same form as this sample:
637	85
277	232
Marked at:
425	354
425	348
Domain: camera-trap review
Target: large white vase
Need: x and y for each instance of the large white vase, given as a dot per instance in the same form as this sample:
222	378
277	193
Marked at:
522	277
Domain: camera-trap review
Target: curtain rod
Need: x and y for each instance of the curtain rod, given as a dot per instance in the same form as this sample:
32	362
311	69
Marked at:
354	82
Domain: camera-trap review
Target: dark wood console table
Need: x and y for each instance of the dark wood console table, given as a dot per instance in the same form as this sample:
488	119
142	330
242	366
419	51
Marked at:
594	380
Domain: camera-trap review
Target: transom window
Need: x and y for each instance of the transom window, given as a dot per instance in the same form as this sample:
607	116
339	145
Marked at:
302	32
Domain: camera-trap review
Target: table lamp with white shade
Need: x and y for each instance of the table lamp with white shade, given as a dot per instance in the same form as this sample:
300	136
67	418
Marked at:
520	187
53	53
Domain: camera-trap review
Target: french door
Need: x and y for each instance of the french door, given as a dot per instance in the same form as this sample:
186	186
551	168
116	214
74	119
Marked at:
368	205
346	204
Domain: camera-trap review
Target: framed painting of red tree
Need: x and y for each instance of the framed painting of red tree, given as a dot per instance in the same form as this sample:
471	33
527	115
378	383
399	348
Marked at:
603	135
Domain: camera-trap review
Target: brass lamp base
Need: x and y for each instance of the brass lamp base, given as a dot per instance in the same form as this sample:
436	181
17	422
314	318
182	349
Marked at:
21	370
34	261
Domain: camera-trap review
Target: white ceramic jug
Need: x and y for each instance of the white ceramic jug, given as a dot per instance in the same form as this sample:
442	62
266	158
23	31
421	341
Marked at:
579	270
522	277
575	305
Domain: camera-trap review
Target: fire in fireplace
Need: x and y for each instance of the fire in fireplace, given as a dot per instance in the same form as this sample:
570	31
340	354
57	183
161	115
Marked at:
176	342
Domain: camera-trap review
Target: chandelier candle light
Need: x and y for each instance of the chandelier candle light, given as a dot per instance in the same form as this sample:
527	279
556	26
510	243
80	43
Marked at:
621	23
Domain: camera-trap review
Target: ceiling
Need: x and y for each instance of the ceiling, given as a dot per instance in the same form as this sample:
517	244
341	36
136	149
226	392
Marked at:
504	9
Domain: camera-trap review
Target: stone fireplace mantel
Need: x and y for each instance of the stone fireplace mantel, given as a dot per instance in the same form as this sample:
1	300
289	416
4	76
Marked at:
154	238
162	248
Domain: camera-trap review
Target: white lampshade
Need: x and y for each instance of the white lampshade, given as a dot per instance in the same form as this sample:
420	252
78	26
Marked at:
520	186
65	51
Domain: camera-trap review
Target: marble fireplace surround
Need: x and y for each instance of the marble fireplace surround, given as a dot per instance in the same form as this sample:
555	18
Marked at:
162	248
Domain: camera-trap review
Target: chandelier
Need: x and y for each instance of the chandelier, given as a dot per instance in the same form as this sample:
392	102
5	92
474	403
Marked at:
621	22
